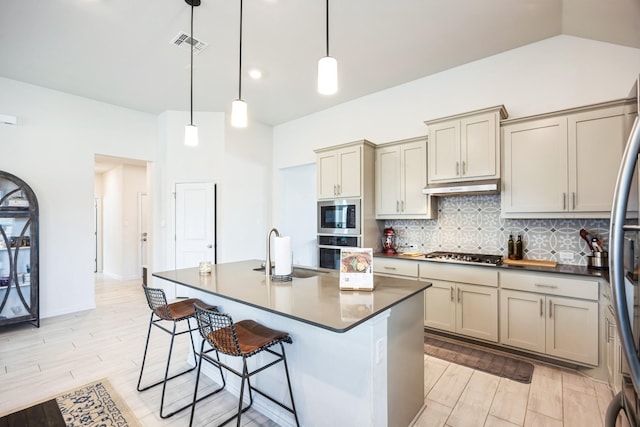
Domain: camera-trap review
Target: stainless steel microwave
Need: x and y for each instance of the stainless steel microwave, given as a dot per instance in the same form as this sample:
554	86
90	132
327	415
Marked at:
339	216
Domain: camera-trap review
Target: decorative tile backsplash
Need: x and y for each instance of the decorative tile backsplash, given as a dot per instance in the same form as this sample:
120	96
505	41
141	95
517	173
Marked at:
473	224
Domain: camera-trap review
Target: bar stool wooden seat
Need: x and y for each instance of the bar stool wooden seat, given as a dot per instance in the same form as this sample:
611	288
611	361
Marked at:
244	339
176	312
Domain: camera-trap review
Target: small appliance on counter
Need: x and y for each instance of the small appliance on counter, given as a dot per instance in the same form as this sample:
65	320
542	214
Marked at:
599	258
464	258
389	246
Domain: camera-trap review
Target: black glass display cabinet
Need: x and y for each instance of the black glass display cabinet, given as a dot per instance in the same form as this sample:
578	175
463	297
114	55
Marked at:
19	287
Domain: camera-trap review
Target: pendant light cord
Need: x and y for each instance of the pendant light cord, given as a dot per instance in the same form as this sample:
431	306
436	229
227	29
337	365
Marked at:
191	67
327	32
240	57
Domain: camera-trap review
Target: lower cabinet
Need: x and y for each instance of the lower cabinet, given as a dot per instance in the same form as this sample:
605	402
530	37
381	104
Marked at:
614	361
462	308
557	326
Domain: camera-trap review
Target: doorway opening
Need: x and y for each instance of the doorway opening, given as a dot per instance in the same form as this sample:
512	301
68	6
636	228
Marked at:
122	217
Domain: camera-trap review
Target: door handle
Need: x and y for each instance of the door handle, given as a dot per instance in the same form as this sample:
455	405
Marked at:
209	246
451	289
564	201
397	206
459	298
402	206
464	167
541	307
550	309
457	168
573	200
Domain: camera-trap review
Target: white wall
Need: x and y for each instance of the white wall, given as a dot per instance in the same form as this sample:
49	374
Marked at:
238	160
52	148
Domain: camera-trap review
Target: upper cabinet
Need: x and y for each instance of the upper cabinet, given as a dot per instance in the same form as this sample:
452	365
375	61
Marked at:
565	164
341	168
465	147
401	174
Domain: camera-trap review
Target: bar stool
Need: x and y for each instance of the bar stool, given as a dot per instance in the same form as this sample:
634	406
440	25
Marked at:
242	339
161	311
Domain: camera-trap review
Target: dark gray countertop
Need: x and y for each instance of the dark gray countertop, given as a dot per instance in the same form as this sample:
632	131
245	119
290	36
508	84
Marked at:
576	270
314	300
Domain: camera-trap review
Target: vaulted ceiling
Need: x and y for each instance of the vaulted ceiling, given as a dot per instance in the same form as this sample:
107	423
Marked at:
120	51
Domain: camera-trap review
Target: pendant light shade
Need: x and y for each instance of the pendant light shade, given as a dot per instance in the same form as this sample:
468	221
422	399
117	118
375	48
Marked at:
191	135
327	67
239	113
191	131
327	75
239	107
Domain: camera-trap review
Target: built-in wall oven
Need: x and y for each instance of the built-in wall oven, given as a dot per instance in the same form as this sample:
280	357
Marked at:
329	249
338	227
339	216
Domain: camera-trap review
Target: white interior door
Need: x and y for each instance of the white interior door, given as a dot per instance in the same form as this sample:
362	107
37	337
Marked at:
195	223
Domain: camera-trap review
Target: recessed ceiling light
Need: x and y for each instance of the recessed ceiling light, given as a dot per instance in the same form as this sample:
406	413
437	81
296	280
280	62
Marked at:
255	74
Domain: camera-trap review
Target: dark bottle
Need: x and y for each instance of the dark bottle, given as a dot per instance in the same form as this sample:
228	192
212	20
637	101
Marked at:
519	247
512	250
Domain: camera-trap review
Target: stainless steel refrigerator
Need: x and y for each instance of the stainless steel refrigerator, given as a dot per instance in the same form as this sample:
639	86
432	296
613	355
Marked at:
623	237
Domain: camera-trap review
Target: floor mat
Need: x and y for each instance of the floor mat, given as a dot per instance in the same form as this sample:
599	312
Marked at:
485	361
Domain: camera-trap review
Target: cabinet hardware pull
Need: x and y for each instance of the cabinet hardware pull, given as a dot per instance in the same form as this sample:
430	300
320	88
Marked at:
542	285
451	289
402	206
550	309
564	201
541	307
397	206
608	329
457	168
339	190
389	268
464	167
459	298
573	200
335	190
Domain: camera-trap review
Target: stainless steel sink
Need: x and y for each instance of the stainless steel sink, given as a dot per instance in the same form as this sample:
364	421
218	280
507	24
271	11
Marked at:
298	272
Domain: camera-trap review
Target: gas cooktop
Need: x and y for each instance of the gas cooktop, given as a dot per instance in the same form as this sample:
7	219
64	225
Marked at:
464	258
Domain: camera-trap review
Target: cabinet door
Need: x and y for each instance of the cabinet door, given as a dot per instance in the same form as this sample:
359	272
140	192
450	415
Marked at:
477	311
440	306
522	320
414	178
327	164
572	329
444	151
479	147
388	178
350	172
613	351
596	143
535	166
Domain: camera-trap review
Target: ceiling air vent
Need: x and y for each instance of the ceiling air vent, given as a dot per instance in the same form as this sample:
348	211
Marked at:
184	41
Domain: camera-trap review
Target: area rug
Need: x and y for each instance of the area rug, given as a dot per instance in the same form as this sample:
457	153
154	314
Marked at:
96	404
485	361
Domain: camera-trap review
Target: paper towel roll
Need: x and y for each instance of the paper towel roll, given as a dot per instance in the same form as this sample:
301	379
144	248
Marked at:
282	255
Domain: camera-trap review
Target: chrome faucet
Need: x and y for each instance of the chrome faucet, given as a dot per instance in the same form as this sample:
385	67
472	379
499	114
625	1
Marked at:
267	264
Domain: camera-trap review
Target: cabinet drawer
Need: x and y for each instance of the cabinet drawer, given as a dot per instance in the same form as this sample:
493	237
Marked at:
487	276
551	284
396	267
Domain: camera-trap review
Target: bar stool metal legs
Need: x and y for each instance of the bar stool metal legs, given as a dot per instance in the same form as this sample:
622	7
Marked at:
161	311
244	339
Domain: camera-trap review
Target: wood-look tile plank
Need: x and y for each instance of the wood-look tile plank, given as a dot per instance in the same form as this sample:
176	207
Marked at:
433	370
510	401
534	419
448	389
434	415
493	421
580	409
474	403
545	393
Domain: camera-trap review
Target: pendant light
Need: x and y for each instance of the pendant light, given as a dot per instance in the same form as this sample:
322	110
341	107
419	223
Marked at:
327	69
190	130
239	107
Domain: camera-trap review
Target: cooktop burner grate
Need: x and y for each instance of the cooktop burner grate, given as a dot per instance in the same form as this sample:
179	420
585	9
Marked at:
466	258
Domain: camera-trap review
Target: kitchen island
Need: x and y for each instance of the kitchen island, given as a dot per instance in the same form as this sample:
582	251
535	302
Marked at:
357	358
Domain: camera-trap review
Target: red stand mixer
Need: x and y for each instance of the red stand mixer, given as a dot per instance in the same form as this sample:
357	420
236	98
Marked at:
389	242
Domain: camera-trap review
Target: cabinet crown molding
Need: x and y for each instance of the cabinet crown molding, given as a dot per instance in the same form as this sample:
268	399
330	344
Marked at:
498	108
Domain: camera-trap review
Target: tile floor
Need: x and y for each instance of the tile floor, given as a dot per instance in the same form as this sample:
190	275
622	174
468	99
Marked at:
71	350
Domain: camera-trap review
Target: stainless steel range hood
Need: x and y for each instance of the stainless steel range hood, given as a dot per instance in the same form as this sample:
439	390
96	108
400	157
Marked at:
489	186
